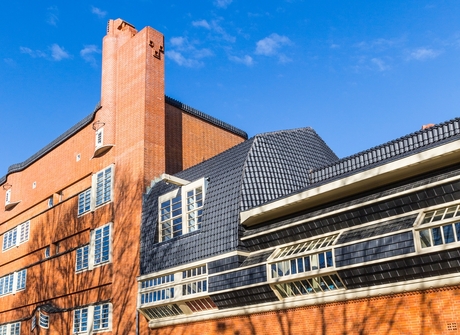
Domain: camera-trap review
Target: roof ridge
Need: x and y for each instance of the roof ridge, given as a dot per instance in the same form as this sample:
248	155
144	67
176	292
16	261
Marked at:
206	117
393	148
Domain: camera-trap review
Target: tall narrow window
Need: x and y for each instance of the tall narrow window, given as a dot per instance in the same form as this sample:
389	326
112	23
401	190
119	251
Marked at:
80	320
103	187
82	258
8	196
21	279
101	317
99	137
102	244
84	201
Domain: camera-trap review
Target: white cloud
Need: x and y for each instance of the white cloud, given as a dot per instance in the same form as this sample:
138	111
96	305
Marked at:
181	60
246	60
99	12
222	3
10	62
423	54
52	16
202	24
380	63
215	27
32	53
87	53
177	41
58	53
284	59
271	44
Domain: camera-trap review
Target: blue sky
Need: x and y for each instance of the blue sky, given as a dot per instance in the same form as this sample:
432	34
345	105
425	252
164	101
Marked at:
359	72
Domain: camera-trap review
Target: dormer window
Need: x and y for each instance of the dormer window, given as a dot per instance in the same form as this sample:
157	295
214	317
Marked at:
181	211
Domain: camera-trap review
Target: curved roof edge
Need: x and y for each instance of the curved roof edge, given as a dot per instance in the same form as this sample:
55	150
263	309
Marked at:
206	117
62	138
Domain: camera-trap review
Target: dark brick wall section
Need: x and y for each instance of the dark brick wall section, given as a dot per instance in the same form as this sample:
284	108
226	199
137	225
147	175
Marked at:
236	279
225	264
258	258
244	297
372	250
420	266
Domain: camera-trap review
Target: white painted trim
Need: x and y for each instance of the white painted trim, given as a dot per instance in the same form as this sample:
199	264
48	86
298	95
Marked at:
342	184
370	202
191	265
316	299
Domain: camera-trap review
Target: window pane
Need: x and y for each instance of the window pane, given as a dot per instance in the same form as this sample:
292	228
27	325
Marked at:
448	234
437	238
425	238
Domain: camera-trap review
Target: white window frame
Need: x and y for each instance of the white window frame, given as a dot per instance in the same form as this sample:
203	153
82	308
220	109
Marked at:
43	320
8	197
13	328
437	220
13	282
82	256
173	287
99	140
91	320
189	217
84	202
101	184
100	241
16	236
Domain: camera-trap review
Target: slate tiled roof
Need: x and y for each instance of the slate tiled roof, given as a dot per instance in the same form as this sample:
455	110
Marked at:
279	163
261	168
404	146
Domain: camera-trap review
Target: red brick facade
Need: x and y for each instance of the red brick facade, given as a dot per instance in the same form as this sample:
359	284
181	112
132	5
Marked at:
136	143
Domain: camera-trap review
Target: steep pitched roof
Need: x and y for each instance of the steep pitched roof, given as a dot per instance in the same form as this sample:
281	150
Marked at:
264	167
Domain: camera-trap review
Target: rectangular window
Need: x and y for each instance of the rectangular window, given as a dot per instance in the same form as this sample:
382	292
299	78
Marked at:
181	210
102	245
101	317
440	227
82	258
309	286
13	282
99	137
84	201
8	197
103	186
16	236
80	320
43	320
21	278
11	329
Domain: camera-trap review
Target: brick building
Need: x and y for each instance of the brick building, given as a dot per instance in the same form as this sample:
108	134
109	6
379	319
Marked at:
159	219
278	236
70	224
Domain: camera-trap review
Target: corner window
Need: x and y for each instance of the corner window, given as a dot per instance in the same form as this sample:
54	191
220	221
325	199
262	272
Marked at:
43	320
16	236
98	252
439	227
181	210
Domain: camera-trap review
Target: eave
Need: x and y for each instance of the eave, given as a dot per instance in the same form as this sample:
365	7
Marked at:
394	171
